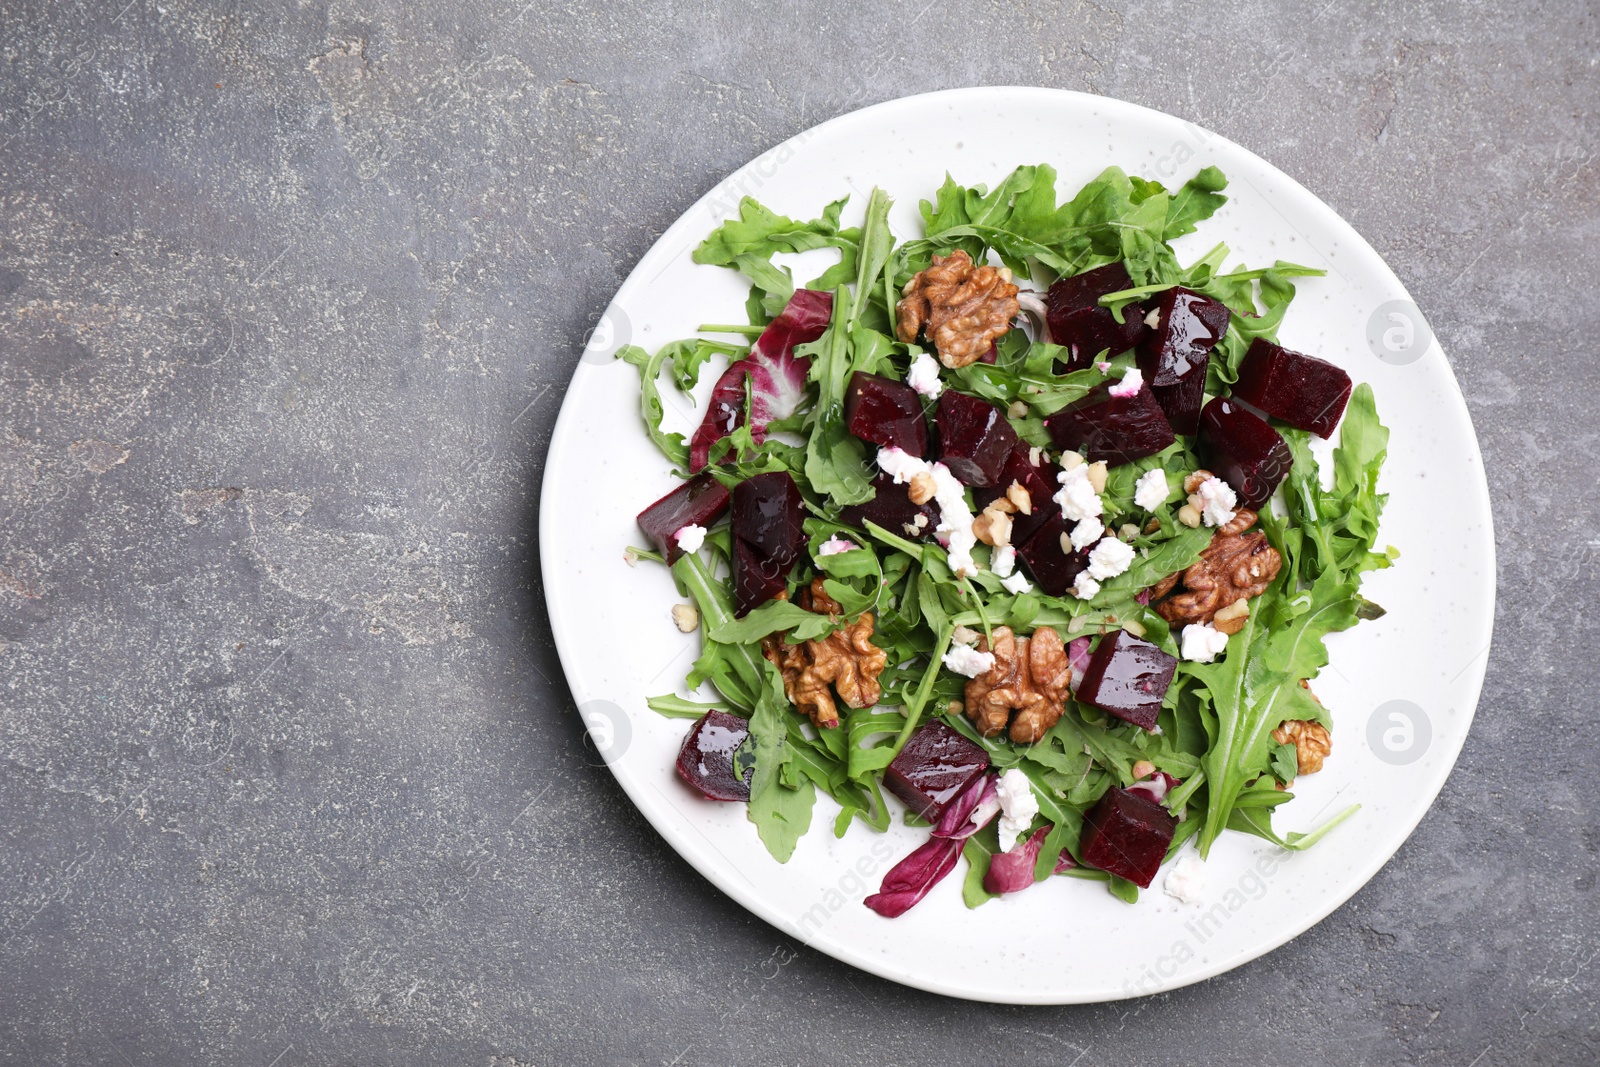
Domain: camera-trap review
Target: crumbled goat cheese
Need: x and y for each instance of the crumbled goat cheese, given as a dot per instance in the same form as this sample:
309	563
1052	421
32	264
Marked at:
1086	533
1151	490
1104	366
1018	806
1077	498
834	545
1016	583
1216	502
1203	643
1186	881
924	376
1109	558
964	659
690	537
955	518
1004	561
1085	588
1131	383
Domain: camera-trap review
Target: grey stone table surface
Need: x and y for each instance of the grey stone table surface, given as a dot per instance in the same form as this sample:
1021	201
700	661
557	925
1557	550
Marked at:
289	294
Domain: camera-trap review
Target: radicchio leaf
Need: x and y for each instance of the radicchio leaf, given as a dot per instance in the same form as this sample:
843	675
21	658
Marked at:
1012	872
909	880
970	810
1078	659
776	376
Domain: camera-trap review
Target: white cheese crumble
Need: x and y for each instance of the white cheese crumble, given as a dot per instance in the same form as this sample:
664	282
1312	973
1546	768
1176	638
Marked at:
690	537
1104	366
1077	498
1151	490
1085	588
924	376
1132	382
1186	881
1086	533
835	545
1109	558
964	659
1004	561
1016	583
1216	501
955	518
1018	806
1203	643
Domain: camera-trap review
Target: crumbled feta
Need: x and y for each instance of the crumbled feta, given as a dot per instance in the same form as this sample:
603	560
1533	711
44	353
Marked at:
964	659
1151	490
1109	558
1104	366
924	376
1018	806
1186	881
1077	498
835	545
1203	643
1085	588
1086	533
1004	561
690	537
900	465
1016	583
1132	382
955	518
1216	502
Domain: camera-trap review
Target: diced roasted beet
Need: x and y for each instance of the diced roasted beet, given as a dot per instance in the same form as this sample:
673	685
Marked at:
708	760
767	537
891	508
1181	403
936	764
1304	391
1127	835
700	501
1243	451
1189	327
1079	324
1020	469
974	438
1054	569
1117	429
885	413
1127	677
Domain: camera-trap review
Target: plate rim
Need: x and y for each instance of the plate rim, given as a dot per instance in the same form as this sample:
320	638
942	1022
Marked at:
745	894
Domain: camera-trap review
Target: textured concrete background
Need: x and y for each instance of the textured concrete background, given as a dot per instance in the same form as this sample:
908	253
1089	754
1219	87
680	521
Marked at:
288	297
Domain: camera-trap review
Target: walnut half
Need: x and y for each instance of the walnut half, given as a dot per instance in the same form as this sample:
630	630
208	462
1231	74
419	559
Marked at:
846	659
1310	740
1030	676
962	308
1234	567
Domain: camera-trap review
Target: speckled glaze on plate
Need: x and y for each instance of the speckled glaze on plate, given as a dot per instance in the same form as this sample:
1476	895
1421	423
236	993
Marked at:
1402	689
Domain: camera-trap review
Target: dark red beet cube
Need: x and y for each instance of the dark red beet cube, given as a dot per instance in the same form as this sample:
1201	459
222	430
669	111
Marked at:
1127	835
1054	569
1242	450
767	537
936	764
892	509
700	501
1181	403
1035	479
1127	677
885	413
974	438
1079	324
1189	326
708	760
1306	392
1117	429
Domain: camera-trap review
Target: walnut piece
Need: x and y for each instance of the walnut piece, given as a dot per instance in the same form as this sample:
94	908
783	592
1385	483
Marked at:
1234	567
846	659
1310	740
1030	676
963	309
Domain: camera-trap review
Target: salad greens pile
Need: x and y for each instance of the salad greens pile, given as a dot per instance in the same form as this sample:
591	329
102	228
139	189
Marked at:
1215	732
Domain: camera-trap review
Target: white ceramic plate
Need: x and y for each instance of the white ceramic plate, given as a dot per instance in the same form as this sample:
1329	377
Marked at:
1402	689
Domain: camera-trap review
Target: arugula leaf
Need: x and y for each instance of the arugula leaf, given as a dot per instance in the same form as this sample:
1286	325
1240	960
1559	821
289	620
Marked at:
672	445
781	812
760	232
